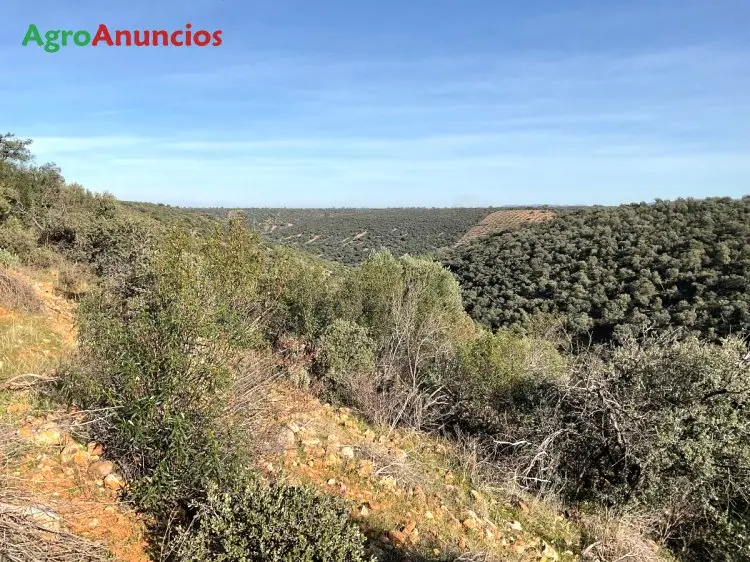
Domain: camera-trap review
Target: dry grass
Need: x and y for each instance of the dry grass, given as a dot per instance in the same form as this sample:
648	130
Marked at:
27	346
73	281
24	540
29	531
501	221
16	294
613	537
247	409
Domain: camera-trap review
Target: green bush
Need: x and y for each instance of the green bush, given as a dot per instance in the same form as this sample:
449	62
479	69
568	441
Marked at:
492	363
159	355
9	259
411	309
659	424
613	270
302	290
17	239
256	522
663	423
345	349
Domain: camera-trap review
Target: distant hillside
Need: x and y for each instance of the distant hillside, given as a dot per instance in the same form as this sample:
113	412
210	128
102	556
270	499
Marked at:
682	263
501	221
350	235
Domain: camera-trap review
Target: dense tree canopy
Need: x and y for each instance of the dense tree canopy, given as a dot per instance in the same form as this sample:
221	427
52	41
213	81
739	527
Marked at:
613	270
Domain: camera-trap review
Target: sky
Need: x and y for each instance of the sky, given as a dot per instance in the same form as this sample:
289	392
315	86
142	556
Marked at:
428	103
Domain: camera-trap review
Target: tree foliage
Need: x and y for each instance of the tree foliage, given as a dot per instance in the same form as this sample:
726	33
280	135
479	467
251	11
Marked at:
611	271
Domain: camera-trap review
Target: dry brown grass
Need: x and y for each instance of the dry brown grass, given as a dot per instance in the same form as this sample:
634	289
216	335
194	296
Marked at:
24	540
29	531
73	280
16	294
500	221
613	537
27	346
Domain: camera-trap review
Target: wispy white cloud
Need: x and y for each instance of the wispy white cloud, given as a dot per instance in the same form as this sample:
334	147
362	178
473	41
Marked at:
316	130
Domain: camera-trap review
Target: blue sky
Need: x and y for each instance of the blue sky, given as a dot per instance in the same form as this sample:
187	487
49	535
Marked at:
390	103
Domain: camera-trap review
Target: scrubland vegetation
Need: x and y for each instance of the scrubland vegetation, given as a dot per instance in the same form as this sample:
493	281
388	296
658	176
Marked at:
640	437
615	271
350	235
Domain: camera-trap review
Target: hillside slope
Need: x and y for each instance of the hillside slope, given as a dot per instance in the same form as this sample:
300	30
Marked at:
58	495
617	270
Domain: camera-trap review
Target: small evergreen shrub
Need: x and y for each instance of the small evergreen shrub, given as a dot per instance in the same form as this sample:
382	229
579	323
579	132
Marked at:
345	349
17	239
255	522
9	259
158	351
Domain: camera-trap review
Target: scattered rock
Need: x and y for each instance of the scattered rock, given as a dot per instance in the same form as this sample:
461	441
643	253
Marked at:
287	439
67	455
18	408
44	517
476	495
388	482
100	469
315	452
397	537
399	453
48	434
515	526
95	448
114	481
346	453
470	523
549	552
81	458
365	468
311	442
25	433
473	515
293	427
331	482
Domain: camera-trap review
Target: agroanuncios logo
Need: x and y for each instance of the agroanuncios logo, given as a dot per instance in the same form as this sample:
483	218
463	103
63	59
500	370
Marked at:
54	39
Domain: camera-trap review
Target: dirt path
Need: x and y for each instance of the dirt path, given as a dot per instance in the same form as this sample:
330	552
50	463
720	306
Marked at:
58	493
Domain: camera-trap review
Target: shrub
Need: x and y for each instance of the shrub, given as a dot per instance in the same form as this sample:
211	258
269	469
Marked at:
493	363
658	424
17	239
345	349
302	290
412	310
9	259
255	522
663	423
159	356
